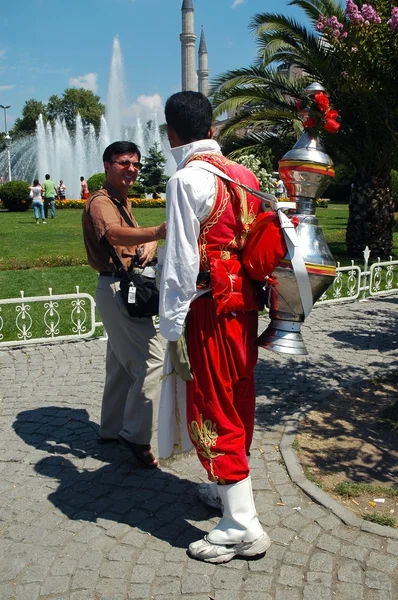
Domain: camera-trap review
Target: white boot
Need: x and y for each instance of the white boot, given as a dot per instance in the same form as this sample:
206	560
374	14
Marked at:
238	533
208	493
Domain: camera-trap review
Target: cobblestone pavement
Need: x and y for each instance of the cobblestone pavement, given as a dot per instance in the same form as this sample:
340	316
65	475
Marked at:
79	521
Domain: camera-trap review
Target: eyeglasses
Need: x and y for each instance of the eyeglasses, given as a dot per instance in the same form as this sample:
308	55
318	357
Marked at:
126	164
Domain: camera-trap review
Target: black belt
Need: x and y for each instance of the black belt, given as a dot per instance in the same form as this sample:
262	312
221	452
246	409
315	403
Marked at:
107	273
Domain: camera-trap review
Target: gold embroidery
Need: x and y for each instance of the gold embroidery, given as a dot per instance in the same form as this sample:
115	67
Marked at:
204	436
245	213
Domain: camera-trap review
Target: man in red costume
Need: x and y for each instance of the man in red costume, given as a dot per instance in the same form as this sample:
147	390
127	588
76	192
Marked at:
206	297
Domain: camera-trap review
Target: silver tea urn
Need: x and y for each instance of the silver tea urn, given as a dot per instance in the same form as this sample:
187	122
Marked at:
306	171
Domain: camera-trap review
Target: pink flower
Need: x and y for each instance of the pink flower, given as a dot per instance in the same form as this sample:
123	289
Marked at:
393	22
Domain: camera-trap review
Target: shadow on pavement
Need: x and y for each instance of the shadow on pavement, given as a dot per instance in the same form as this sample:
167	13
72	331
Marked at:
154	501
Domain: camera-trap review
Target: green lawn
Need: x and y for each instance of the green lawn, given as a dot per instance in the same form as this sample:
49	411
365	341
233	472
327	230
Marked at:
36	257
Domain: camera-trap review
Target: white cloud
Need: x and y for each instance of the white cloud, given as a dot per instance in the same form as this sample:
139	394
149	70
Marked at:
6	88
237	3
145	106
3	52
87	82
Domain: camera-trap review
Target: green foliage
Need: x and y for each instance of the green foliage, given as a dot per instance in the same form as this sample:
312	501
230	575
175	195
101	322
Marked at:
152	175
394	187
380	519
66	107
15	196
95	182
340	187
137	190
26	125
74	101
350	489
357	66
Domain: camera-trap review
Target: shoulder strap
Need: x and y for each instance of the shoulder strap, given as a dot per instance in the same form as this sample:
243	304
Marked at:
117	261
288	229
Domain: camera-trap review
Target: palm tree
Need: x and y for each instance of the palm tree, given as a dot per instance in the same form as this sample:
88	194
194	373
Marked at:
354	57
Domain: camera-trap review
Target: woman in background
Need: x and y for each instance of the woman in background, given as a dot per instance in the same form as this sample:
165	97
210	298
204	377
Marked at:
37	200
61	190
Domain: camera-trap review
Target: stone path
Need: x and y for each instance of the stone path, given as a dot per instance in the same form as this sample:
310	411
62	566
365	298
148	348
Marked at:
79	521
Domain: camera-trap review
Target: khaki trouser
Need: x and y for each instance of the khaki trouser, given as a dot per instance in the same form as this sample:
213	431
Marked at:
134	365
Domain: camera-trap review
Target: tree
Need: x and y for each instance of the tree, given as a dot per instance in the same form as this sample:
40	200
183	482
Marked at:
352	53
74	101
26	125
152	175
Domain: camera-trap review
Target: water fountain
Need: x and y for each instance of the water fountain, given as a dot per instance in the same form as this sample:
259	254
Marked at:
65	155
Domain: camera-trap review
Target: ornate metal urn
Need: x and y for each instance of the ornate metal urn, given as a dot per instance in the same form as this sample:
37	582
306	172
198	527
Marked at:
306	171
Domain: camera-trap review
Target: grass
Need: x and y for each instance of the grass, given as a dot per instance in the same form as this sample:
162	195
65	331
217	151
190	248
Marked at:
351	490
313	478
380	519
58	243
35	258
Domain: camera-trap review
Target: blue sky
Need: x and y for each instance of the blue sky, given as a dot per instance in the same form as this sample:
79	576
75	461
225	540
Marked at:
49	45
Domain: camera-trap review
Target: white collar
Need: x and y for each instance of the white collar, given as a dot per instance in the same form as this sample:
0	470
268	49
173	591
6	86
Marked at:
182	153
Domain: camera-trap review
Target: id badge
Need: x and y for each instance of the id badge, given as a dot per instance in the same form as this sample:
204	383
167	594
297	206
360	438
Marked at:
131	294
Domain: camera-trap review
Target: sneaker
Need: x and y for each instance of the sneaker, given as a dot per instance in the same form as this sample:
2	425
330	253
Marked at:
44	223
214	553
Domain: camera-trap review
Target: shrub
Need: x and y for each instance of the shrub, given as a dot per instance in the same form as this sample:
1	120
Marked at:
340	187
394	187
95	182
15	195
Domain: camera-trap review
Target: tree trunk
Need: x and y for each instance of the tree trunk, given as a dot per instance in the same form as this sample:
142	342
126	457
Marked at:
371	217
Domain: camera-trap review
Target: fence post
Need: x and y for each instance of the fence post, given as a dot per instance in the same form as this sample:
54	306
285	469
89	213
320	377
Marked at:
366	255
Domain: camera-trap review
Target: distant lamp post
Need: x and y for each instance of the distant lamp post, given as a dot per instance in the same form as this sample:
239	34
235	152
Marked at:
7	139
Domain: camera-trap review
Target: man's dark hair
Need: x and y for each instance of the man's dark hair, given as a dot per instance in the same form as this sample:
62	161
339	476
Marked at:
190	115
82	178
47	176
120	148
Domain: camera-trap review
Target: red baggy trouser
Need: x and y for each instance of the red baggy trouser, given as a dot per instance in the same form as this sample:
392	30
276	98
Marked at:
221	397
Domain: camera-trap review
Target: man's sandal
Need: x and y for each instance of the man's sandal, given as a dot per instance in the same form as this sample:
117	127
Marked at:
141	452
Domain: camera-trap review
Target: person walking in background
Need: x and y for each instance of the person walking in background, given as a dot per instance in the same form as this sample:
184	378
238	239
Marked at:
37	201
280	189
83	188
207	222
50	192
61	190
134	354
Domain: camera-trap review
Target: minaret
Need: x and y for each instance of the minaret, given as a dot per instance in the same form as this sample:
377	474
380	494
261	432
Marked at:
188	38
203	71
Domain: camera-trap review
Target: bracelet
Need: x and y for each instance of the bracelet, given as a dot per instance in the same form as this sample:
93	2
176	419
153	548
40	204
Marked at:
157	233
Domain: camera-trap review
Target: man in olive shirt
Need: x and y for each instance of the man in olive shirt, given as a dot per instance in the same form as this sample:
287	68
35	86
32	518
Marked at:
49	193
134	356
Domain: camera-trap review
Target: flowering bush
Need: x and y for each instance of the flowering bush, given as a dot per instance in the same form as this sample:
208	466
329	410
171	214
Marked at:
70	203
142	203
366	41
148	203
250	161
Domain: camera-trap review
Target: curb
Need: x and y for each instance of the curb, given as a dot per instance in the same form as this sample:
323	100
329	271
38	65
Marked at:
296	474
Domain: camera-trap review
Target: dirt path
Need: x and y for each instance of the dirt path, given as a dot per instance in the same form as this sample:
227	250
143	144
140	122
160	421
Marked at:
344	440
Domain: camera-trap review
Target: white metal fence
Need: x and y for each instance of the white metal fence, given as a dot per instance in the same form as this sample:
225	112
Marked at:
53	318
